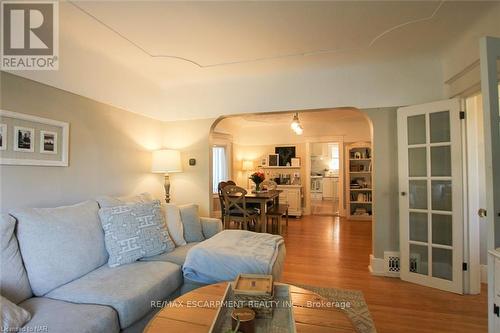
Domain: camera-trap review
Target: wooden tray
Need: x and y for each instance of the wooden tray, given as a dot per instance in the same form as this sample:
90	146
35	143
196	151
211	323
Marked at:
281	322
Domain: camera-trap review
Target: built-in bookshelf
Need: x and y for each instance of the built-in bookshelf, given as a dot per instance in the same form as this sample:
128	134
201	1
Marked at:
359	181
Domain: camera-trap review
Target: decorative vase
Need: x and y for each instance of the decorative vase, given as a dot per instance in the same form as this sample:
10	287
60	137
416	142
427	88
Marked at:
257	187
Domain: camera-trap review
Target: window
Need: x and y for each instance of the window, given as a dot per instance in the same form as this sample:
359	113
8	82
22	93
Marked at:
335	157
220	169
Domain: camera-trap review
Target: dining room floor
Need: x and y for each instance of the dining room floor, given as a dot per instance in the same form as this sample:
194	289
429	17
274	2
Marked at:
333	252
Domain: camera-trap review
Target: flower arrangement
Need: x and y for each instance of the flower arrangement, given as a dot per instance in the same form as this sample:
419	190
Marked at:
257	177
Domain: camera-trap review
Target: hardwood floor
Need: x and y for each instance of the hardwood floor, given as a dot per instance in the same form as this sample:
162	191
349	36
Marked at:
332	252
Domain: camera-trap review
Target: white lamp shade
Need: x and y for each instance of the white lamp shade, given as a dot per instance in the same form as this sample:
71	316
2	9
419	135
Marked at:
247	165
166	161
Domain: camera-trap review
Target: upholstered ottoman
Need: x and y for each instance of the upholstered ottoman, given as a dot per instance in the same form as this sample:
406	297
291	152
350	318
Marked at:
233	252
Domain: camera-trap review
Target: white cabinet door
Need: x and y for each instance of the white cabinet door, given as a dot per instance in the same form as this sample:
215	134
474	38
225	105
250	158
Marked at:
328	188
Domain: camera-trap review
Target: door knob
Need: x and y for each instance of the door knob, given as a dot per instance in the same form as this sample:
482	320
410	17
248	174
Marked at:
482	212
403	193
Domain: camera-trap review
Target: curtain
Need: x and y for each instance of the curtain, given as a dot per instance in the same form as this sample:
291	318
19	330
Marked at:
219	166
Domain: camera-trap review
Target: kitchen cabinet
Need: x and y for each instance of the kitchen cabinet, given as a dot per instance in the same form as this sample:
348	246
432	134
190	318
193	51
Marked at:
292	195
330	185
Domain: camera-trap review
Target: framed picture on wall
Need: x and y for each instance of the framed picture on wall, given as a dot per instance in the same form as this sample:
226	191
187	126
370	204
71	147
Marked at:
3	136
273	160
48	142
24	139
30	140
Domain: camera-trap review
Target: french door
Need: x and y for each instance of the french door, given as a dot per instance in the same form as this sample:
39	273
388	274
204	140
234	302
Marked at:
490	70
431	194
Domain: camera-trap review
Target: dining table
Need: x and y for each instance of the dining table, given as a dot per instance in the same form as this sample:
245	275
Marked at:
262	198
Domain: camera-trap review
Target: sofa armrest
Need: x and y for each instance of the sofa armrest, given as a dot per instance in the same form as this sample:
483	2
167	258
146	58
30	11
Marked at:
210	226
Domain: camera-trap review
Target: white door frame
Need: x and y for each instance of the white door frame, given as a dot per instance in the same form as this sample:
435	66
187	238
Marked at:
307	194
475	182
489	48
453	106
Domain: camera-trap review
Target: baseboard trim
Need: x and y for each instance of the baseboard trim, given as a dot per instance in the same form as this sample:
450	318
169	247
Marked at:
484	274
376	266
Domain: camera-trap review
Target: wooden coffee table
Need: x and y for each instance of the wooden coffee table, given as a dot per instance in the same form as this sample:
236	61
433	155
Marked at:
193	312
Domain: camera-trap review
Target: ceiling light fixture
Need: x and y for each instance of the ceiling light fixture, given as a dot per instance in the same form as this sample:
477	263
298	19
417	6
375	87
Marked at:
296	126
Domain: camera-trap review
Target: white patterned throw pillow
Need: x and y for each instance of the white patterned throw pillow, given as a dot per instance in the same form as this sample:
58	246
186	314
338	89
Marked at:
13	316
134	231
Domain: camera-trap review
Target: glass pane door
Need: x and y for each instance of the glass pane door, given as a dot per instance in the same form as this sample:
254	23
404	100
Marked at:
430	201
429	180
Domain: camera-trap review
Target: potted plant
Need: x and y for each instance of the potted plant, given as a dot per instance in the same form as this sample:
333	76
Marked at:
257	177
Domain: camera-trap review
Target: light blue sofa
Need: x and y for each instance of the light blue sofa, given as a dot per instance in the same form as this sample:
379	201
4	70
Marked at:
54	264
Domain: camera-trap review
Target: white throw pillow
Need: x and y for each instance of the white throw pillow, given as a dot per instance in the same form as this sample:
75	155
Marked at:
175	228
14	317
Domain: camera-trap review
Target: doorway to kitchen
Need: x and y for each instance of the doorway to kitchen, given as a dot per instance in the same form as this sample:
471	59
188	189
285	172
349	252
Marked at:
325	159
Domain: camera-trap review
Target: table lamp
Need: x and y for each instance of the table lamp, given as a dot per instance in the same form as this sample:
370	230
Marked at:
247	165
166	161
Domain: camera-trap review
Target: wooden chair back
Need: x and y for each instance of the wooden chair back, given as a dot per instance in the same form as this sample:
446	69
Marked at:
234	199
220	186
269	184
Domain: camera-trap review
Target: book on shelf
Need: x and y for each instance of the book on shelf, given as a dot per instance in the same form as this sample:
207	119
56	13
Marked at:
361	196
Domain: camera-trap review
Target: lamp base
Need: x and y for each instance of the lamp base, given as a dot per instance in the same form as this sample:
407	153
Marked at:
167	188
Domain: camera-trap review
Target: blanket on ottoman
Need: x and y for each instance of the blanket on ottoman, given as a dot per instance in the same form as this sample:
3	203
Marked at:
229	253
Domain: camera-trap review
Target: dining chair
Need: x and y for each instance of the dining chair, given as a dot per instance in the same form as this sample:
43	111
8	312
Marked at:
236	207
270	185
220	186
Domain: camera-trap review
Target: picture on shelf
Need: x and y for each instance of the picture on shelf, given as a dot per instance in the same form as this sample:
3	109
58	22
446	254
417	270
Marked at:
3	136
48	142
273	160
24	139
285	155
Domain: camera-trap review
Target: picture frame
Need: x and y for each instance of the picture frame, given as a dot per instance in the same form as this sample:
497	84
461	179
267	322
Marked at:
33	140
263	162
286	153
48	142
273	160
3	136
24	139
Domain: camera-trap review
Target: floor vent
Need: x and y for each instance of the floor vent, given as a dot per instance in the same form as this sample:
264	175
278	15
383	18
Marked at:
392	262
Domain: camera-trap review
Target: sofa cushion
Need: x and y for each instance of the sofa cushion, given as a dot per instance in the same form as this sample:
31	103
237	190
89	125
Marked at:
129	289
60	244
211	226
175	228
14	282
50	315
134	231
13	317
107	201
191	222
177	256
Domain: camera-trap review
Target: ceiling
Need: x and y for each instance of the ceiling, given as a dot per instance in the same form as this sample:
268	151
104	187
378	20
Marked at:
285	118
138	54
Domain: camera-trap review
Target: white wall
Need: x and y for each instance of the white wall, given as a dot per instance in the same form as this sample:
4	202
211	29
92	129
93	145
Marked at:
385	169
192	139
464	51
109	150
369	85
